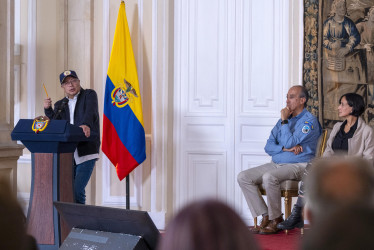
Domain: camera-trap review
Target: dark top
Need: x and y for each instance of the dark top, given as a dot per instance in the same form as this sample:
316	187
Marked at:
340	142
85	113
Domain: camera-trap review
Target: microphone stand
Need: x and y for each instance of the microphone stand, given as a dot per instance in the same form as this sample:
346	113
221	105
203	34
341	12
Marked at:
62	106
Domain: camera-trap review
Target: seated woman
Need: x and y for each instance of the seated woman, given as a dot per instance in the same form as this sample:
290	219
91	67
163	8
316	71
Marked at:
351	137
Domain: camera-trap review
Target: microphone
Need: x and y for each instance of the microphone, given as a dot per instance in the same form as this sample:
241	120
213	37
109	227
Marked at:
62	107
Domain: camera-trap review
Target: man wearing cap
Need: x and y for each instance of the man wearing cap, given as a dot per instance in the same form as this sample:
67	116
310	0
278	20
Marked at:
79	107
292	144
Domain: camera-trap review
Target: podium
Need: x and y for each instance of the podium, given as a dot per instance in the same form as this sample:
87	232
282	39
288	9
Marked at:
52	176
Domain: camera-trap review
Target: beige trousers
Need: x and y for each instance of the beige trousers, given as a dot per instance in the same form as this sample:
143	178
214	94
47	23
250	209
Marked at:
270	175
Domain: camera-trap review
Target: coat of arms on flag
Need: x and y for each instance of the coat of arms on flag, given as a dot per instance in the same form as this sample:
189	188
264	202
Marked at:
122	94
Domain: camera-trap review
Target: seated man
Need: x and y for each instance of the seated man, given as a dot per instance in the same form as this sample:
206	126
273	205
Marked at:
292	144
351	137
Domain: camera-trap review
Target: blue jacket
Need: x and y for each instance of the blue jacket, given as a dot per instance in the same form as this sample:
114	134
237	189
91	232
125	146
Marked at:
85	113
303	129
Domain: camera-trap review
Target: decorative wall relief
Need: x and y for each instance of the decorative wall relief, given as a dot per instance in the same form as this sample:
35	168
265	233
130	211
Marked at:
345	55
310	69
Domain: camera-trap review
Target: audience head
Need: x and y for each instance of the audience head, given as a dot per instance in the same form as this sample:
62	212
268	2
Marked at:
12	220
349	227
338	181
207	225
354	101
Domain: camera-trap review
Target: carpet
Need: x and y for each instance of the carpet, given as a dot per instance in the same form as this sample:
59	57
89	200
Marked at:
280	241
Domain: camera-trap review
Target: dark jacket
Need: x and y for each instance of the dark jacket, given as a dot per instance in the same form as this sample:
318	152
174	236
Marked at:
85	113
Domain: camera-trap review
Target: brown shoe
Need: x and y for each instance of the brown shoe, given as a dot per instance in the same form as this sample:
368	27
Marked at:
271	228
263	224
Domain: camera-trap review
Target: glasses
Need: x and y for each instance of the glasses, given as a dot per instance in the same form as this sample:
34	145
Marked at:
72	82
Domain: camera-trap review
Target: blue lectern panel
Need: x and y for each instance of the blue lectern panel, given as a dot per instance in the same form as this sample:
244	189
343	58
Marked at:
54	127
57	130
58	137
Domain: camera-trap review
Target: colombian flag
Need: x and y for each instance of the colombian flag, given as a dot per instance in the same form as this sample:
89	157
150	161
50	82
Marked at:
123	129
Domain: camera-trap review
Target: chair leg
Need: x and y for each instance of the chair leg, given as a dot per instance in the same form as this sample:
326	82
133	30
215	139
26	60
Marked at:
302	216
255	222
287	204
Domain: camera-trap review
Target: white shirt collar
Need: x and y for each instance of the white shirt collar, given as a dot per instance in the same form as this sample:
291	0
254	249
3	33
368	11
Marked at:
74	98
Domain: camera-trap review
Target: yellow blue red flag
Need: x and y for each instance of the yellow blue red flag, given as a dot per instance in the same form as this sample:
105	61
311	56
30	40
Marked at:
123	129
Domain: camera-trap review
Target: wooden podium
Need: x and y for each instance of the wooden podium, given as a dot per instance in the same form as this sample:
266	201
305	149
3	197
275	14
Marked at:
52	176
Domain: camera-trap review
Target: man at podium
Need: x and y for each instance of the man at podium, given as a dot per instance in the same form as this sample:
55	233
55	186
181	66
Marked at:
80	108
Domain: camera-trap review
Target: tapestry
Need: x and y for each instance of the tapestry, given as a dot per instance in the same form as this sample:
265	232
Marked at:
338	55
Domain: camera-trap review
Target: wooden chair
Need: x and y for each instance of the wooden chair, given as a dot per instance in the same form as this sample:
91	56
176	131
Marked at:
322	142
290	188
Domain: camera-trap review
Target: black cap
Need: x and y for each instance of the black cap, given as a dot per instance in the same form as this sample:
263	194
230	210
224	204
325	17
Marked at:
67	73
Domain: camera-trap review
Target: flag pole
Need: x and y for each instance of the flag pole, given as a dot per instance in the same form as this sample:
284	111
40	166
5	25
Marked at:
128	192
127	178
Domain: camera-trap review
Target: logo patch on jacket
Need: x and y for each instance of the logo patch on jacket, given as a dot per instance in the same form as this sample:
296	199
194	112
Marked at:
307	127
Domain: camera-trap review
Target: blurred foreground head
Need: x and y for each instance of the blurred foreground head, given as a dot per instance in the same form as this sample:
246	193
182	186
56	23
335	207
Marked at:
339	181
347	228
12	220
207	225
